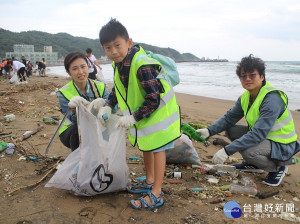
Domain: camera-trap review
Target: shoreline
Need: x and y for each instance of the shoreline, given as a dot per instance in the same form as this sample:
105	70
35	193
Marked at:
222	104
212	109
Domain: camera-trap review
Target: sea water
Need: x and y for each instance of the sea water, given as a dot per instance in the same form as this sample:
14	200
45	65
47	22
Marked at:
218	79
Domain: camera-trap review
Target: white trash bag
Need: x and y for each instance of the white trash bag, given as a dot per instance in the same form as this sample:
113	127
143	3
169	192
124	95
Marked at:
97	166
99	76
14	80
183	152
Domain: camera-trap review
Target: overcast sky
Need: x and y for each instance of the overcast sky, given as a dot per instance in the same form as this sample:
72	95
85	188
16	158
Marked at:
230	29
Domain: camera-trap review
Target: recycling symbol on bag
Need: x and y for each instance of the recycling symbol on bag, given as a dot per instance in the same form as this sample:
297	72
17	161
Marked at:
100	180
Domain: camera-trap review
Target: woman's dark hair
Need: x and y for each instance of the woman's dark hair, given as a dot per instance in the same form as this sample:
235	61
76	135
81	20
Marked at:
248	64
111	31
72	57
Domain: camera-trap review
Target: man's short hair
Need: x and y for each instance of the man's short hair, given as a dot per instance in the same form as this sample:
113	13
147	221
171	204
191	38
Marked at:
88	50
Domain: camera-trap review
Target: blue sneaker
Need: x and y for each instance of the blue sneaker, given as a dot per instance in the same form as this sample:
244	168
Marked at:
246	167
275	178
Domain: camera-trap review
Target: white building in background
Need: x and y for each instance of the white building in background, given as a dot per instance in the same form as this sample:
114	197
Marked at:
28	52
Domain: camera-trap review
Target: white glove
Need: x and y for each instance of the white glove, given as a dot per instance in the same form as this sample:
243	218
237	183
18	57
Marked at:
104	110
76	101
203	132
125	121
96	104
220	157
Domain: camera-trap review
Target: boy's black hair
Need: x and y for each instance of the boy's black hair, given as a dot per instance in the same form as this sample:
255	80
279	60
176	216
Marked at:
88	50
111	31
248	64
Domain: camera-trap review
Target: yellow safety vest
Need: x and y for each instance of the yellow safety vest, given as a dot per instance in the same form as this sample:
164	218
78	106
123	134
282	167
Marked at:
163	125
283	130
69	91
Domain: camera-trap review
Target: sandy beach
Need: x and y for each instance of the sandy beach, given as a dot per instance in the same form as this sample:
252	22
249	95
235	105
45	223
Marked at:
24	199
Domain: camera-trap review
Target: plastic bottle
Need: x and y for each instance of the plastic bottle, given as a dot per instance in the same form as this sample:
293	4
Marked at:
50	120
10	149
3	146
205	168
9	117
238	189
222	168
192	133
247	181
295	160
33	158
197	189
218	168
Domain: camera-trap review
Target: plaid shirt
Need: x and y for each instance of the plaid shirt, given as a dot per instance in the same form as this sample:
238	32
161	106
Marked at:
147	76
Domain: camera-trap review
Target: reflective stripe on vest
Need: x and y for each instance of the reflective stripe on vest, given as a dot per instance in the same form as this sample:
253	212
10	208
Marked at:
69	90
283	130
158	126
163	125
282	123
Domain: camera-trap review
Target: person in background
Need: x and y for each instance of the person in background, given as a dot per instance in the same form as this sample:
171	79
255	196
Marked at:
79	90
269	141
45	63
29	68
19	68
1	66
36	68
7	68
152	118
24	61
92	61
41	68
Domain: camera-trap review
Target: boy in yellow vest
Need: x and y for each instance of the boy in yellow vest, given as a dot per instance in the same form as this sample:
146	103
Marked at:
149	107
270	140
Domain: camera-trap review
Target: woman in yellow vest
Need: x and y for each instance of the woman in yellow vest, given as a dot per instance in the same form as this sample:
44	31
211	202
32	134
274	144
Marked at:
149	106
79	90
270	140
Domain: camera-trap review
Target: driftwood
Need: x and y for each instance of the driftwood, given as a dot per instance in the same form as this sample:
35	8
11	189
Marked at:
32	133
38	182
7	92
5	133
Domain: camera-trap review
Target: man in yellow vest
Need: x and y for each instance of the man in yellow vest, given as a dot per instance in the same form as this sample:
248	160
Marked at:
270	140
149	107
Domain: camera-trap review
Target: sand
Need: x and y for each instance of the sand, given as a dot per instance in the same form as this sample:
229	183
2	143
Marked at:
24	199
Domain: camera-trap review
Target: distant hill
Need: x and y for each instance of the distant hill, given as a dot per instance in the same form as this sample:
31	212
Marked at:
64	43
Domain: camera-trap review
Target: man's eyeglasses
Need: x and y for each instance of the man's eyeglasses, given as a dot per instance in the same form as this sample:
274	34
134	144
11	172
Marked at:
251	76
